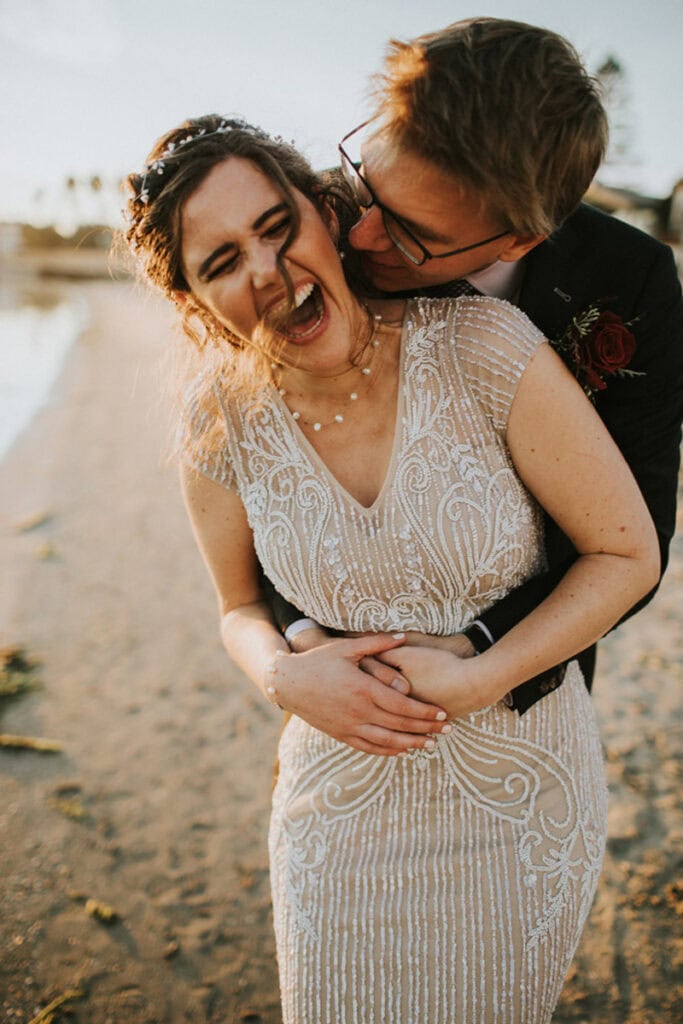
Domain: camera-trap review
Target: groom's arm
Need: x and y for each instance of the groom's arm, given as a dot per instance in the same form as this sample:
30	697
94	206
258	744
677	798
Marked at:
284	613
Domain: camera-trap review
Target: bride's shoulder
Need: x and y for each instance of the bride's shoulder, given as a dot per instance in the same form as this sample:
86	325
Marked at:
485	308
493	342
483	322
472	322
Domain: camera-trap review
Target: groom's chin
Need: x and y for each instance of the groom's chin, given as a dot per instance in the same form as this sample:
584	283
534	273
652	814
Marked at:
386	278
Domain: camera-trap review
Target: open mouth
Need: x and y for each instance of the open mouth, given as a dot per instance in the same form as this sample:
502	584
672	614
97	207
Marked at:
306	316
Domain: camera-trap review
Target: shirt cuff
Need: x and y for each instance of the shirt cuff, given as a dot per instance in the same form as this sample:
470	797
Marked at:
298	626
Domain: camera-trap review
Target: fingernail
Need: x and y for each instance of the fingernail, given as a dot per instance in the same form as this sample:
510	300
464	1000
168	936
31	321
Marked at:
441	716
397	636
446	729
429	744
398	684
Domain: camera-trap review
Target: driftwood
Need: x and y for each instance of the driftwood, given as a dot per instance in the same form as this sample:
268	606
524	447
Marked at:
43	746
46	1015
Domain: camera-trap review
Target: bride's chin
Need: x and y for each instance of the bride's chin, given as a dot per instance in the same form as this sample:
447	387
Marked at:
317	364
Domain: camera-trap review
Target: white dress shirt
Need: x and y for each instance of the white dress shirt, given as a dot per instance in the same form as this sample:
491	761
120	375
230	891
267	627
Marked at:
502	280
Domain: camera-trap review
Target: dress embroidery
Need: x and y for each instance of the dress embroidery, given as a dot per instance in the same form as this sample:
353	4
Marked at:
452	527
452	884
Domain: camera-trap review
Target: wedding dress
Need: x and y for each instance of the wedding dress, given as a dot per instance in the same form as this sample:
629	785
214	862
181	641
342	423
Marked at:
451	886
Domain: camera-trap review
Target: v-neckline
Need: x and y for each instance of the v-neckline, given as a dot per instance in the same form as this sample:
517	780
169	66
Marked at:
389	472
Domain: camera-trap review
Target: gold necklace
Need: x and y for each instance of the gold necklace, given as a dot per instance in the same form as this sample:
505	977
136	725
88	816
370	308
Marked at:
372	344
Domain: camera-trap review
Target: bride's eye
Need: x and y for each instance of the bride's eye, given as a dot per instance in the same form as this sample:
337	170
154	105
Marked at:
280	227
226	267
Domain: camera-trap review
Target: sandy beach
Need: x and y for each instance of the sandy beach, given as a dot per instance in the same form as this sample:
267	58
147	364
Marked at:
157	803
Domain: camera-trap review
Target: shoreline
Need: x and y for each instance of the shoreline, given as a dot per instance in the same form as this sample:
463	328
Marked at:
43	282
167	750
63	264
38	337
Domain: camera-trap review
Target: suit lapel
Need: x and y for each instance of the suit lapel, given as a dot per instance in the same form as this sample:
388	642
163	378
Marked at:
551	292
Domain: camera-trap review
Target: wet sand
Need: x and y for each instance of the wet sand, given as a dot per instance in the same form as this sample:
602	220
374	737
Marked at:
157	804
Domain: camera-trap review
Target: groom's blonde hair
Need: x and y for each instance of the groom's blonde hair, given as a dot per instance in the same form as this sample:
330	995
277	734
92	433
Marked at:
505	108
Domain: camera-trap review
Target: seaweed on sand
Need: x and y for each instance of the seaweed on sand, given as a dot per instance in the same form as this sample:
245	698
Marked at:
17	677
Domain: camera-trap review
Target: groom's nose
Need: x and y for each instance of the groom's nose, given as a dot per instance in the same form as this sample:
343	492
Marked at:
368	234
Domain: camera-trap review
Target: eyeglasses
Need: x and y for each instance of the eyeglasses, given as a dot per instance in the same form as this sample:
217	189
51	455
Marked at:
402	237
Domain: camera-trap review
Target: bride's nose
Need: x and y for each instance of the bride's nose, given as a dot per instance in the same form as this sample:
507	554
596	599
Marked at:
263	266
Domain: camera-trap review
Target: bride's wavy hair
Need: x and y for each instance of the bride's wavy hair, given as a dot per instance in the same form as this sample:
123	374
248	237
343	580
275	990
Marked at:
506	108
177	165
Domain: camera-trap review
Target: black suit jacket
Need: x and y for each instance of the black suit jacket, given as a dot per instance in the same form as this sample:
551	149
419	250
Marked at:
596	258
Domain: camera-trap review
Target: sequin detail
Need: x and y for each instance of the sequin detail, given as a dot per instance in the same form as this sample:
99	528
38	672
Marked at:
451	885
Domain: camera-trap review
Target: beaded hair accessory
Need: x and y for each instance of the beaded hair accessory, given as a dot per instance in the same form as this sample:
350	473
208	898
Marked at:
158	165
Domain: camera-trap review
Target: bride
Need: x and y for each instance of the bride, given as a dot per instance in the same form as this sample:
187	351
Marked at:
433	854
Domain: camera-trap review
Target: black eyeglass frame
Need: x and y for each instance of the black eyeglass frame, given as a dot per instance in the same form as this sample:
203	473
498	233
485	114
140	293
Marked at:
386	211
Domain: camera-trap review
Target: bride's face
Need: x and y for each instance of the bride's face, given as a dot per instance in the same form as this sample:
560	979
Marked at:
232	229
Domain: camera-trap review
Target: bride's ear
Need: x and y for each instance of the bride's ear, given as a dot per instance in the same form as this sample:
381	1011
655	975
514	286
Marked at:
331	221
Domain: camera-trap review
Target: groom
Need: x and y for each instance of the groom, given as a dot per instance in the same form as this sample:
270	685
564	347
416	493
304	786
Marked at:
470	175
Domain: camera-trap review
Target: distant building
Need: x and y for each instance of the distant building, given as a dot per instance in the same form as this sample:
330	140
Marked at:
662	218
645	212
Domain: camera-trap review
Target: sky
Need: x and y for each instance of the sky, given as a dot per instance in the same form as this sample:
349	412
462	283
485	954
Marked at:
88	85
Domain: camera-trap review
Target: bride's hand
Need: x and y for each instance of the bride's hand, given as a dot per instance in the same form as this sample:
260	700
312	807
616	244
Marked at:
316	636
458	644
326	688
442	678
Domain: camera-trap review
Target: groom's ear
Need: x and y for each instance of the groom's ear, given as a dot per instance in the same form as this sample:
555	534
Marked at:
519	246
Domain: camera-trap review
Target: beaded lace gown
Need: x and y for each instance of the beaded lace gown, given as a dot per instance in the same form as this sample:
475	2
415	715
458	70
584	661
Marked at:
447	887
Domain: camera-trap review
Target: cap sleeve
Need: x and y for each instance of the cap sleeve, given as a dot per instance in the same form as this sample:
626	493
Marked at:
202	438
495	342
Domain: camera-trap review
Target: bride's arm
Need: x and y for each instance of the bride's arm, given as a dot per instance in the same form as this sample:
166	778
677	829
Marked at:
566	458
325	686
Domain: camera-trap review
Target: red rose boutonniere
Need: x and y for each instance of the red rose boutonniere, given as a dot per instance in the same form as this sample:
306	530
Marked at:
597	344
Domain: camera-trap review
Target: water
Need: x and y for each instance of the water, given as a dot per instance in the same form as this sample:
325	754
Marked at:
38	325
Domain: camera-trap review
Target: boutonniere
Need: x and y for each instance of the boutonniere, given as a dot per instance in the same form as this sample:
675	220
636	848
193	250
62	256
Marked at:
597	344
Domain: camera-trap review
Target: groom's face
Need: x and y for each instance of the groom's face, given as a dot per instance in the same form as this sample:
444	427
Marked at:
438	210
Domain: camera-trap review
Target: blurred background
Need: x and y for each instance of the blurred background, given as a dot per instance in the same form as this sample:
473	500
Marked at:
135	761
88	85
